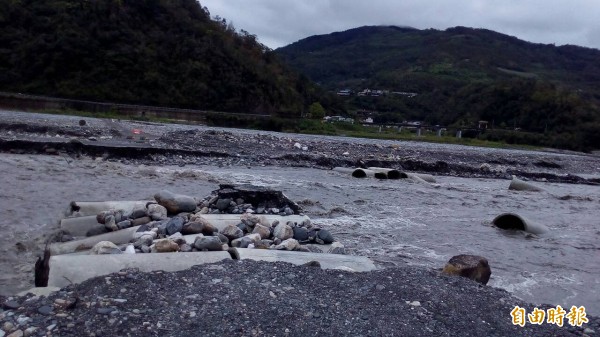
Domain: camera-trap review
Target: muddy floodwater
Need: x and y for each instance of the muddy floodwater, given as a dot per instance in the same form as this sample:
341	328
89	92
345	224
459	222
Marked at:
393	222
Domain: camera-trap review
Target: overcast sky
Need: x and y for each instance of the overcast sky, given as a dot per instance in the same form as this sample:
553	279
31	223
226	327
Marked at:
277	23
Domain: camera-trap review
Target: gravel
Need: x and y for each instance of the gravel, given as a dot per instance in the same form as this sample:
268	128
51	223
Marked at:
247	298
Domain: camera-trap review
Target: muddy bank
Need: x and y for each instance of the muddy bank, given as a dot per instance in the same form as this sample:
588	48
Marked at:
245	298
165	144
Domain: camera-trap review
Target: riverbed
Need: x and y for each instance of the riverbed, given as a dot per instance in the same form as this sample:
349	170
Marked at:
393	222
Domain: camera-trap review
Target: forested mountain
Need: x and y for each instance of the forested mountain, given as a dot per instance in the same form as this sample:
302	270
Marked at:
154	52
461	75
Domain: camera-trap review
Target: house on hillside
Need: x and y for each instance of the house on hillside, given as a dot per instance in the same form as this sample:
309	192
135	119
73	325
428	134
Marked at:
332	119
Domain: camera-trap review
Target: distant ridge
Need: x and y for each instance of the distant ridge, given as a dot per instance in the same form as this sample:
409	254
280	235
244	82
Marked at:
461	75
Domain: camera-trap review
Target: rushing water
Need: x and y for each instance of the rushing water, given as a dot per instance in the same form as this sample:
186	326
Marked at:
393	222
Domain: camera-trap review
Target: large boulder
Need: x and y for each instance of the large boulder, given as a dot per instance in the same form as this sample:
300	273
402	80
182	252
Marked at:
283	232
232	232
300	234
470	266
249	219
166	246
264	232
175	203
289	244
210	243
244	242
157	212
175	225
324	237
199	226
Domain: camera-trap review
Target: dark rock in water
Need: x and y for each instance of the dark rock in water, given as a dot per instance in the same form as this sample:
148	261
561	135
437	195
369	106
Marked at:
324	237
300	234
175	203
175	225
145	249
97	230
210	243
470	266
124	224
232	232
223	204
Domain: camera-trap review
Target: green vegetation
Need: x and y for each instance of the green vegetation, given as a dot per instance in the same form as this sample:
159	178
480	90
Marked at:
462	76
316	111
151	52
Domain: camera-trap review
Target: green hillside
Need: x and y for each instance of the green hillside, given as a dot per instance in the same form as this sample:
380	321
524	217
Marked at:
461	76
153	52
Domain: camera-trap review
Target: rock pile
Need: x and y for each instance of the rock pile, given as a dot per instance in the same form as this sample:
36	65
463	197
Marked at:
175	223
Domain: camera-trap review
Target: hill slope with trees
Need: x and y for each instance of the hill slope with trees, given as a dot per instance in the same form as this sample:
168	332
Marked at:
461	76
153	52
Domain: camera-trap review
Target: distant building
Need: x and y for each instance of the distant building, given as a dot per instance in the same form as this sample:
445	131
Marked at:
344	92
368	120
402	93
332	119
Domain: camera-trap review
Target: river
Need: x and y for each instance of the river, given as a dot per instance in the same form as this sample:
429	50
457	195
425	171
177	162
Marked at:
393	222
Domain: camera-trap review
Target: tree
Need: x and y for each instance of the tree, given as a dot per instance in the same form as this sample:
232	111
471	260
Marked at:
316	110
